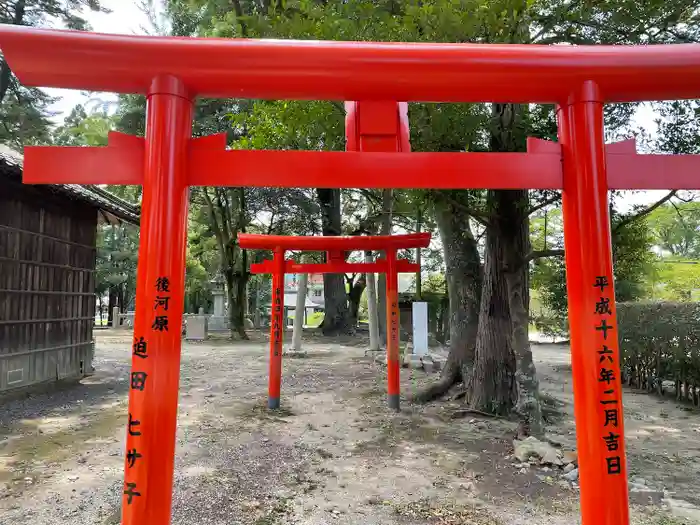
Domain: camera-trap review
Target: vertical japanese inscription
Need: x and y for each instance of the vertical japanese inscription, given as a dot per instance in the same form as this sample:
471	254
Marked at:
276	326
139	378
394	327
606	374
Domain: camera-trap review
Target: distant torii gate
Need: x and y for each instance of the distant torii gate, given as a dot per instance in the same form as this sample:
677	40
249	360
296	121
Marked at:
335	263
172	72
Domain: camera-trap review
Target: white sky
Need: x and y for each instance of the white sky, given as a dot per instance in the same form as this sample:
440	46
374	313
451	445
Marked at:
127	18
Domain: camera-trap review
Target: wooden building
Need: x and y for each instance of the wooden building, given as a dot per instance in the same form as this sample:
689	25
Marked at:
47	276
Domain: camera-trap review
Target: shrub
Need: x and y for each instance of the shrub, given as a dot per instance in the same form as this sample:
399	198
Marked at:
661	341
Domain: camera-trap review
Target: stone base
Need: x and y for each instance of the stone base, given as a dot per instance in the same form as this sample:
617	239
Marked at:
218	323
298	354
196	328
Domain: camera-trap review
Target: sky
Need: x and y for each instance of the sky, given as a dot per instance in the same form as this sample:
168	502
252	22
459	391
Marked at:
127	18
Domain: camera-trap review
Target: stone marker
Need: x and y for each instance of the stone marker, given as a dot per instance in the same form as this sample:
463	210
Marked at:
196	328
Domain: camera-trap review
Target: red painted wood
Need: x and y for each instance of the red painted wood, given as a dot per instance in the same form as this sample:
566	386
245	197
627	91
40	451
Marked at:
402	266
160	291
315	70
311	169
322	244
595	355
331	169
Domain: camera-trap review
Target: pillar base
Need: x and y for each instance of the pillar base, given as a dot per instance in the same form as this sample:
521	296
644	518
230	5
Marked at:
394	401
273	403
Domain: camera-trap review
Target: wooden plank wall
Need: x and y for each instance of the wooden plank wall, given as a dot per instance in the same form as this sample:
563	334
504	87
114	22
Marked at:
47	302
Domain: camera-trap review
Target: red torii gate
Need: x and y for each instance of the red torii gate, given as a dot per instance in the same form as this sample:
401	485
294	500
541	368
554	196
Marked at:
335	263
171	72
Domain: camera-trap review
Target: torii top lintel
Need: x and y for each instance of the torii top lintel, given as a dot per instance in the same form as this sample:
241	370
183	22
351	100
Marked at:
288	69
331	244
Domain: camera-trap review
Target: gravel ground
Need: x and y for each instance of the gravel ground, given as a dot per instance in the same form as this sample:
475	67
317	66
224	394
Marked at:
334	454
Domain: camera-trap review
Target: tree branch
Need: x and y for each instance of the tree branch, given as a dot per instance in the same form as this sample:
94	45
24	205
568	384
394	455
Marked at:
646	211
339	106
541	254
480	217
544	204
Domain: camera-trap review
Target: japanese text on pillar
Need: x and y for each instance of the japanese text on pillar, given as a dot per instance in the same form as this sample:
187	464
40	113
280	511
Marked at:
606	375
138	378
276	325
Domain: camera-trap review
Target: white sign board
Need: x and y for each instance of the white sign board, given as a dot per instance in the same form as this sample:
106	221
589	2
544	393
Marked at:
420	328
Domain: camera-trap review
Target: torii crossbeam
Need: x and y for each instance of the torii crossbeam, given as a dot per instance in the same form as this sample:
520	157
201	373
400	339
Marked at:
335	248
172	72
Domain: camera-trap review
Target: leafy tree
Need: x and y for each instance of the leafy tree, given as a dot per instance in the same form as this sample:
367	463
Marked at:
24	112
676	229
488	303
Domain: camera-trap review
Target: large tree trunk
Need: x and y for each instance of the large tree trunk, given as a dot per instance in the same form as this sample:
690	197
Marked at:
505	378
111	303
491	387
372	306
337	314
384	229
300	310
464	282
235	293
354	296
419	260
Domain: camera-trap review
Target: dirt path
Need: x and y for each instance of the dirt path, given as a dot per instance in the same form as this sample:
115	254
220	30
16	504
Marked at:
334	455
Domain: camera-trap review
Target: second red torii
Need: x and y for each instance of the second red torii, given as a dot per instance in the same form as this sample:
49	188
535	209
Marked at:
335	263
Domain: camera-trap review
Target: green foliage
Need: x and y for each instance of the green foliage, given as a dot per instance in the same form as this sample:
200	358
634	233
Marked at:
632	259
633	267
115	267
24	112
548	279
84	129
435	283
676	228
679	127
660	341
676	280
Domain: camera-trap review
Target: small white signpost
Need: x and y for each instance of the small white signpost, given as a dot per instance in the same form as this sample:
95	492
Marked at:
420	328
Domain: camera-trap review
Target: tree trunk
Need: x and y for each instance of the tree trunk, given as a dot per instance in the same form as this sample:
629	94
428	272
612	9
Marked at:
505	378
337	314
419	276
111	303
354	298
464	283
491	387
384	229
528	406
256	305
235	294
299	311
235	290
372	306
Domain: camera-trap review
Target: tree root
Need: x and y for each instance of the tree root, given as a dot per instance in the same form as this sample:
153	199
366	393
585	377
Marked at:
450	376
462	412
